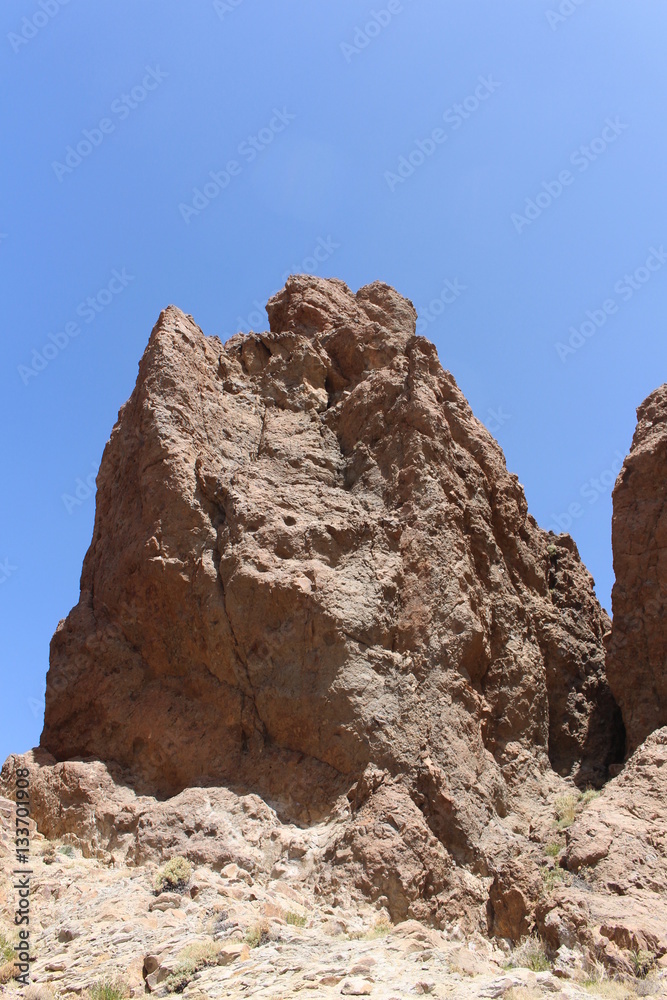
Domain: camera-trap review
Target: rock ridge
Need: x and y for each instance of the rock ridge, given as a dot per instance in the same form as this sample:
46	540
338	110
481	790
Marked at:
637	646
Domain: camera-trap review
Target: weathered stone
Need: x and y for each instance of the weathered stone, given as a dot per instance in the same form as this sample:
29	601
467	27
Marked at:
355	986
308	559
619	843
322	649
637	645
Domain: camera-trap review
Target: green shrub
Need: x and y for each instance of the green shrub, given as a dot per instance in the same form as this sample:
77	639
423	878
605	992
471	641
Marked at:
200	954
566	810
569	805
7	955
551	877
178	980
6	949
67	850
380	928
295	918
109	989
529	954
642	963
191	959
553	850
588	796
257	935
174	876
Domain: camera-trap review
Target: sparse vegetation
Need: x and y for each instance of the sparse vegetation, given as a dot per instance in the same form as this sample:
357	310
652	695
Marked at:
566	810
296	919
6	959
522	993
178	980
530	954
609	989
569	805
552	877
553	850
191	959
38	991
649	987
109	989
588	796
174	876
596	974
257	934
552	550
67	850
49	854
642	963
380	928
6	949
200	954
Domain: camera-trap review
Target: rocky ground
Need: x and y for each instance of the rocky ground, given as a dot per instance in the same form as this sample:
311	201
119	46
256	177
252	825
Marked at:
576	912
227	934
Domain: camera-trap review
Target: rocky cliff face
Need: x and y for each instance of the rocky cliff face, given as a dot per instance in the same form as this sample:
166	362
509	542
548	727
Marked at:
310	564
323	651
637	647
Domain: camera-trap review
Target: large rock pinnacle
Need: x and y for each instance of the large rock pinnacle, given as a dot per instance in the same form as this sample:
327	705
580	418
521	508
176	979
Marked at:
308	560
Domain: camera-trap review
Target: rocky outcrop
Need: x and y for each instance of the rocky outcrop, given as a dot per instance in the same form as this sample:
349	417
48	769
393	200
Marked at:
308	560
637	648
616	852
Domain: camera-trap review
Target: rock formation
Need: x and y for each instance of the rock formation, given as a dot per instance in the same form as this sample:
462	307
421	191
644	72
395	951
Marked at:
637	660
309	557
617	852
321	640
312	577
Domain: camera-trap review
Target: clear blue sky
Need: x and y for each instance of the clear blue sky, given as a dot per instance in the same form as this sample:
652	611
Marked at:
322	106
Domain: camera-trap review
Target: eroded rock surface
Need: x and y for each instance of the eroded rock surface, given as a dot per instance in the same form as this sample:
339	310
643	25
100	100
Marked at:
616	851
310	563
637	660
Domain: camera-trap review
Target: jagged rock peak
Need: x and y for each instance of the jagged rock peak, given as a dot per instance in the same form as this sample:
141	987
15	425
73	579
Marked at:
312	576
637	646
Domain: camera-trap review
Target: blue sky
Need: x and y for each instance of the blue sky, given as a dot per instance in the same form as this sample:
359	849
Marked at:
501	164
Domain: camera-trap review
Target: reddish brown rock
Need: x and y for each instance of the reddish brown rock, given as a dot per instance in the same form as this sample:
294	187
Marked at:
389	854
308	559
616	850
637	647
